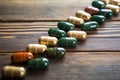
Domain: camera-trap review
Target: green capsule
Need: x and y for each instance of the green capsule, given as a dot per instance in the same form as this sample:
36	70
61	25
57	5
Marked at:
56	32
106	12
100	19
98	4
89	26
66	26
56	52
67	42
38	63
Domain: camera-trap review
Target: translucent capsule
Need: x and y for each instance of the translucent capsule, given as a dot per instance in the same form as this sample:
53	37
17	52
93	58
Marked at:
114	8
38	63
47	40
66	26
67	42
36	48
56	32
98	4
115	2
91	10
80	35
105	1
82	14
56	52
13	72
21	57
89	26
76	21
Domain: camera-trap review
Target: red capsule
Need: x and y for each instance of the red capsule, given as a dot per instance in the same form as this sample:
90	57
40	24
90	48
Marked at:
91	10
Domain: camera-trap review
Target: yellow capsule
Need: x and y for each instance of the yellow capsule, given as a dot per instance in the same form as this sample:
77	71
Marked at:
13	72
105	1
75	20
80	35
115	2
36	48
84	15
47	40
114	8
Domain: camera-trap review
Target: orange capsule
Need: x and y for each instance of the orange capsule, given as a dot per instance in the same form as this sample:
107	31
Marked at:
21	57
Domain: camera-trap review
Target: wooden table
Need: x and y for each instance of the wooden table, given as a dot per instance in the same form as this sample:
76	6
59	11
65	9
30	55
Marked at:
23	21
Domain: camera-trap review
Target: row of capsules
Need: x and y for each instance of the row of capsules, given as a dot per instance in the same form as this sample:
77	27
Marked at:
63	36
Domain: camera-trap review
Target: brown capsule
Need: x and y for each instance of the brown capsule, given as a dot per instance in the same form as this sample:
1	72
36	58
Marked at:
115	2
75	20
13	72
36	48
80	35
84	15
114	8
105	1
47	40
21	57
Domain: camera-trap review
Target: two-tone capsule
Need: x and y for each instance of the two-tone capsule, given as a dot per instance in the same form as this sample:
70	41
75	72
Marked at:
67	42
13	72
66	26
36	48
47	40
89	26
115	2
21	57
79	35
98	4
56	52
82	14
38	63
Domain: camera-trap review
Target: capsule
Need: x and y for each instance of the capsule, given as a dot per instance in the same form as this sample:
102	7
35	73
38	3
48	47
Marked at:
36	48
67	42
91	10
66	26
106	12
56	52
115	2
105	1
13	72
114	8
76	21
98	4
38	63
48	41
89	26
79	35
56	32
82	14
100	19
21	57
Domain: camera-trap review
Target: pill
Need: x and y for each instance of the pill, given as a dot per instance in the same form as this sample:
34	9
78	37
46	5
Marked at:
55	52
13	72
36	48
82	14
21	57
79	35
38	63
115	2
67	42
98	4
100	19
114	8
48	40
89	26
106	12
66	26
76	21
56	32
105	1
91	10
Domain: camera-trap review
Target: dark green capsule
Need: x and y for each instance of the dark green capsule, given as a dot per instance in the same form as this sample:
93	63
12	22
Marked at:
56	52
106	12
100	19
38	63
98	4
66	26
89	26
56	32
67	42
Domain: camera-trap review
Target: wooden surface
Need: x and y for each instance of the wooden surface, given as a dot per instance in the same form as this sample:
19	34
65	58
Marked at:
23	21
